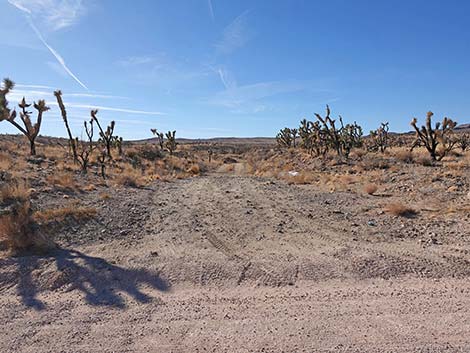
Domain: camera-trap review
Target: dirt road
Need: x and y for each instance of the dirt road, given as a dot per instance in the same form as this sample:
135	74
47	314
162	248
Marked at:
238	264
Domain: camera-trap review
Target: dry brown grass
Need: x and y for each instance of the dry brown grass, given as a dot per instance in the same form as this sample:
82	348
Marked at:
370	188
60	214
404	155
400	210
129	177
16	190
18	230
194	169
63	181
89	187
105	196
424	160
301	178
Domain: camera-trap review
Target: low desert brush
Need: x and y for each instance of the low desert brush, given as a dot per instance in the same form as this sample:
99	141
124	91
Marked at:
401	210
18	230
370	188
73	211
62	181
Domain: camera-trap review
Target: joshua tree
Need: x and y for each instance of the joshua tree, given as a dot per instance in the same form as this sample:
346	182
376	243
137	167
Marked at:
159	136
170	142
342	139
351	137
85	148
5	112
464	141
379	138
106	137
72	141
102	160
332	133
30	130
118	143
285	138
431	138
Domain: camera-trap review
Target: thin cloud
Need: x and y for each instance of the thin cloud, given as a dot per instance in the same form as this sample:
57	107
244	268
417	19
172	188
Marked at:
17	95
136	60
238	96
41	93
92	95
211	9
54	14
36	7
234	36
112	109
19	85
227	79
58	57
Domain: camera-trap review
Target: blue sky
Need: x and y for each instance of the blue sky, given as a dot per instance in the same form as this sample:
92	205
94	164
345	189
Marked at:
237	68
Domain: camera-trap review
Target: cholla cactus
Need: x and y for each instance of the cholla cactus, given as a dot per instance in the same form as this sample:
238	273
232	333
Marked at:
159	136
431	138
30	130
170	143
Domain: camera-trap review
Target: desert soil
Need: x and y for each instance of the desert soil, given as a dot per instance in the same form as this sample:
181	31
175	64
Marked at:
224	263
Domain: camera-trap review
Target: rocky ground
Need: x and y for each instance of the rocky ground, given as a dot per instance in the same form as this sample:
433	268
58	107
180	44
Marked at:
226	263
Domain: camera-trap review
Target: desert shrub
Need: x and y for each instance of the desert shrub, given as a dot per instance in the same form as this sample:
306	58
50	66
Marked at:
404	156
374	163
400	210
129	177
62	181
60	214
424	161
370	188
18	230
194	169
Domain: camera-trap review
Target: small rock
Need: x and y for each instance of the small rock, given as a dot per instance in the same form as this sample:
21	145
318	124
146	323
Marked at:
371	223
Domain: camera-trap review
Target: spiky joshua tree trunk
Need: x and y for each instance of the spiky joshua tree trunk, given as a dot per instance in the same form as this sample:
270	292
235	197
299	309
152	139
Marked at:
30	130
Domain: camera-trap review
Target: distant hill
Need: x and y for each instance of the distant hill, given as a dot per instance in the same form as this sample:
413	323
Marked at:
220	140
463	127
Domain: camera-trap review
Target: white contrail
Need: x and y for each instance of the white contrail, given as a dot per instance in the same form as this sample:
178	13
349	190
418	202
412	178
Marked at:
112	109
58	57
211	9
56	54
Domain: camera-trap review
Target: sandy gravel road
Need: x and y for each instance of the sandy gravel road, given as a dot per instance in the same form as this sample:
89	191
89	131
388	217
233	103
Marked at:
239	264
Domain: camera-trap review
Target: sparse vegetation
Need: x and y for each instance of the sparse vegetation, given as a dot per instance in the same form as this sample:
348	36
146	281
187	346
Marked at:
30	130
400	210
432	138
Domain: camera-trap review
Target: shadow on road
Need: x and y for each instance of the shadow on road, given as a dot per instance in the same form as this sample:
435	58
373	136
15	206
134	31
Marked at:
101	283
